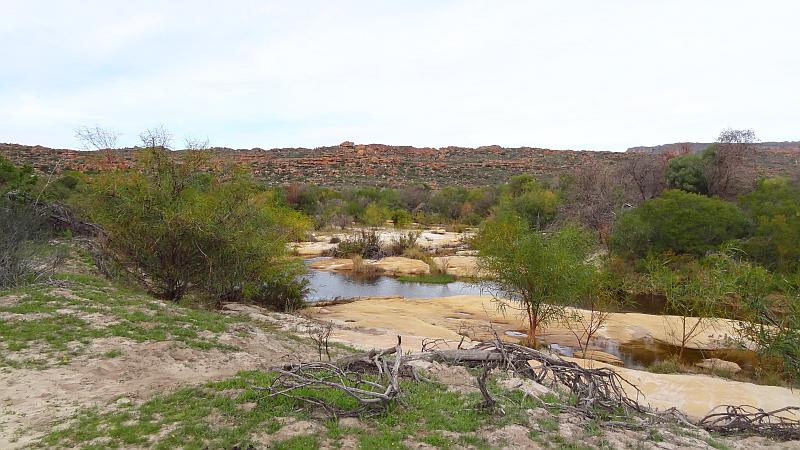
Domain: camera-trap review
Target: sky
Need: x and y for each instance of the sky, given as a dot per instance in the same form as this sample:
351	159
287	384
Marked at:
597	75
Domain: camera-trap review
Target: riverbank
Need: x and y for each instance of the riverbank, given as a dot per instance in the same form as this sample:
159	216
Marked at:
376	323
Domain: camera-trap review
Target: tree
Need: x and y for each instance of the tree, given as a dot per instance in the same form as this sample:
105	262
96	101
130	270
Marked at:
646	172
543	272
725	158
176	227
680	222
692	292
593	198
774	208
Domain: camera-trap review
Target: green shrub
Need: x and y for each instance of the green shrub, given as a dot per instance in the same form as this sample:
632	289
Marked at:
680	222
774	208
688	173
176	227
284	291
24	253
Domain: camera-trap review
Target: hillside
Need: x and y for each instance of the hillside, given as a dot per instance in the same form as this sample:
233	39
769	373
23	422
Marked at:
349	164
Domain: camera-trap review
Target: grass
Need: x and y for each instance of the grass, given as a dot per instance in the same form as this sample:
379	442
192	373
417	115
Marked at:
432	278
55	324
669	365
214	415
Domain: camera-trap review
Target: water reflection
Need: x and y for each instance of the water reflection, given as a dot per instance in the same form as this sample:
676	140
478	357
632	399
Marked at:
329	285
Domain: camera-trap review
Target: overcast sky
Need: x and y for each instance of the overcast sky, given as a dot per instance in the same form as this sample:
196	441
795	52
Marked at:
601	75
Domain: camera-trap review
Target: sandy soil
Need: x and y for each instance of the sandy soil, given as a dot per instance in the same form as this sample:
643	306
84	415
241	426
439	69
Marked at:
376	323
30	400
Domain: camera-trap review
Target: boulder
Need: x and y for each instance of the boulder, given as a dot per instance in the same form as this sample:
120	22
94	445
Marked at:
719	364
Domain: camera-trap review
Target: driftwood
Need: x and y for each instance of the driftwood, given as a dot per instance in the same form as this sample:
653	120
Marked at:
592	388
777	424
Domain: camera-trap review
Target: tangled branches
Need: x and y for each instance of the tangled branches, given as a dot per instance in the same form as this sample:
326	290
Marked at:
306	381
592	387
777	424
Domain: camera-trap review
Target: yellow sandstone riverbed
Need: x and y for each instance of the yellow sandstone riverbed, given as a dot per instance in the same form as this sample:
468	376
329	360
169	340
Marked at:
376	323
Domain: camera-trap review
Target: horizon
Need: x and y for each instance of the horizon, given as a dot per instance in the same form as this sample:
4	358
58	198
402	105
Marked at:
578	76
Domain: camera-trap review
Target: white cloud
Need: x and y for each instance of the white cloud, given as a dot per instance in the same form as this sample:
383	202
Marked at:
598	75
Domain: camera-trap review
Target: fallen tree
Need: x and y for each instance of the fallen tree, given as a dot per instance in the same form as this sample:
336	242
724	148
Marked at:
372	380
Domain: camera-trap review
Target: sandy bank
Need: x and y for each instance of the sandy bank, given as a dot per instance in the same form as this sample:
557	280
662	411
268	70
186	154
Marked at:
375	323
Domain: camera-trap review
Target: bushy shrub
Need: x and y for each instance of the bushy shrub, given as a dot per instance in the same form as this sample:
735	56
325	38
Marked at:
284	291
774	208
680	222
365	243
403	242
25	256
688	173
176	227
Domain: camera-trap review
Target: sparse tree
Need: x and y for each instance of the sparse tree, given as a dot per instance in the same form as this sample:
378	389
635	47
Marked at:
593	198
725	160
97	138
646	173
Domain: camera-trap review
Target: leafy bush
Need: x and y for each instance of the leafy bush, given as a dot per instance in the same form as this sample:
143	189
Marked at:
774	208
680	222
284	291
176	227
688	173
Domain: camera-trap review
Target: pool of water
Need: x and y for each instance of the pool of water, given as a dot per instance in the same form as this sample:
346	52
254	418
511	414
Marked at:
330	285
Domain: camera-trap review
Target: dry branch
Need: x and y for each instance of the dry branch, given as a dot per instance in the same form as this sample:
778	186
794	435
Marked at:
777	424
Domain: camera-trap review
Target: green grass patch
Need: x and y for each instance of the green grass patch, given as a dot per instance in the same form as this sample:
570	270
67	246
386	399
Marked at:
431	278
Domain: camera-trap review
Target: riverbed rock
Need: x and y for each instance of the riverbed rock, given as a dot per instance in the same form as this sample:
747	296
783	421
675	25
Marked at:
719	364
399	265
597	355
336	264
528	387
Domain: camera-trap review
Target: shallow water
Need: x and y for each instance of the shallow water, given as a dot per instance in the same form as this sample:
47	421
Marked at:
329	285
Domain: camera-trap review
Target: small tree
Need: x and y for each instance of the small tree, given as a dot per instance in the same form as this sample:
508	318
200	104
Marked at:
646	172
593	309
543	272
693	293
725	159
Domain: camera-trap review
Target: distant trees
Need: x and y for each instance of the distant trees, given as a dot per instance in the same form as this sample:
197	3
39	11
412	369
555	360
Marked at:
543	272
680	222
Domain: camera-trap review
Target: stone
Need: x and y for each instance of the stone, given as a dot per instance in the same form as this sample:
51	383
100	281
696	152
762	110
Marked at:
719	364
529	387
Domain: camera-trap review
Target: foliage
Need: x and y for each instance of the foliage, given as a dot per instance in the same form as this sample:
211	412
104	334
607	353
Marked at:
693	291
770	308
14	178
774	208
543	272
176	227
680	222
24	254
688	173
366	243
284	291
